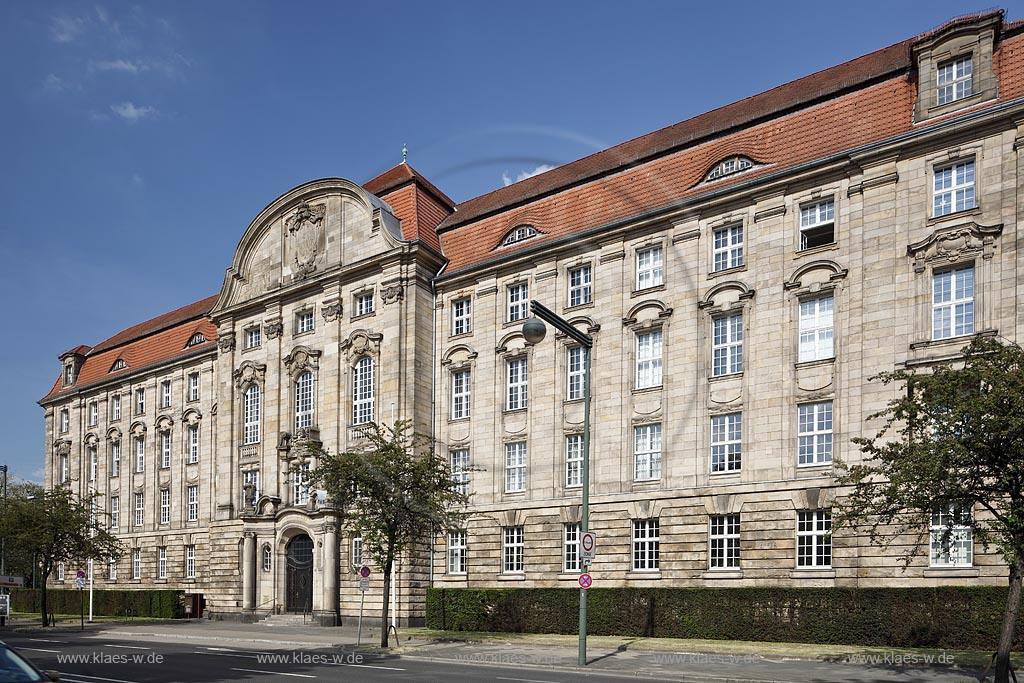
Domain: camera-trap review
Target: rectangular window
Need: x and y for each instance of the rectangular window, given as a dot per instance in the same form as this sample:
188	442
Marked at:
60	571
575	373
251	405
193	444
815	433
250	487
300	485
953	80
457	552
727	345
193	386
165	449
304	322
65	470
517	387
952	540
462	316
193	503
953	188
112	569
460	469
646	545
253	337
65	420
649	269
724	549
364	304
460	394
190	562
647	452
165	506
817	329
648	359
515	467
580	286
357	551
140	454
574	460
115	408
94	463
518	302
115	458
728	247
512	550
137	563
953	303
161	564
165	394
726	442
94	414
140	508
571	548
115	512
814	538
363	391
304	400
140	401
817	224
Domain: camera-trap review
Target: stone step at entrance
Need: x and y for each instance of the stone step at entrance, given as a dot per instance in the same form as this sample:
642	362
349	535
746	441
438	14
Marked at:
287	620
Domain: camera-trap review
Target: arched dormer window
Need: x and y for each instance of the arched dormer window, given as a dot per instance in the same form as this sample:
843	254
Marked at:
727	167
119	364
251	415
195	339
304	400
519	234
363	391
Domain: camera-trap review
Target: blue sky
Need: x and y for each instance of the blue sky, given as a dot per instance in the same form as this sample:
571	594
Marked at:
140	139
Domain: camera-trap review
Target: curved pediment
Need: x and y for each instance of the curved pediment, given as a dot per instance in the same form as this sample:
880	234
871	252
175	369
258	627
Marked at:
313	229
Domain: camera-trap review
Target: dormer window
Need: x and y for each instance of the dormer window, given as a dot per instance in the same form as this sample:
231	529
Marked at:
727	167
954	66
197	338
69	374
519	234
119	364
953	80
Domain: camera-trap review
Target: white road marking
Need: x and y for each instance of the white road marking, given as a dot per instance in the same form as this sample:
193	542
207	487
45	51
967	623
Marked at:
129	647
95	678
228	649
44	640
523	680
274	673
36	649
227	654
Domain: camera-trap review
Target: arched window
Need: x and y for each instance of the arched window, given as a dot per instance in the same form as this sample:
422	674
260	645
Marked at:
729	166
363	392
251	415
518	234
304	400
195	339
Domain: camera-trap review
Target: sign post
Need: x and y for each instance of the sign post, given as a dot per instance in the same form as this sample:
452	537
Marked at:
80	585
364	585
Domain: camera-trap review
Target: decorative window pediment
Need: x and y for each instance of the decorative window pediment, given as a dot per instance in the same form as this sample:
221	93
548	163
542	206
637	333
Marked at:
301	358
729	166
518	234
951	245
362	343
250	373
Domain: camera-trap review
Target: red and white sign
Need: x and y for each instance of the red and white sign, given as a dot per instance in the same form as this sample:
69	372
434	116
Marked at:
586	581
364	572
588	543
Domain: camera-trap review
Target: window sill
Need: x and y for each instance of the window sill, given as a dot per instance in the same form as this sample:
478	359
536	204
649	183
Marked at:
510	411
956	215
512	323
454	577
512	577
818	362
456	420
727	271
724	574
642	575
960	340
810	251
644	484
647	290
812	573
304	333
460	335
722	378
812	466
962	103
727	473
577	307
648	390
361	316
965	572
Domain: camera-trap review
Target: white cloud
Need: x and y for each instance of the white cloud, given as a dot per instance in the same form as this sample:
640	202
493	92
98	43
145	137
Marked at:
54	83
122	65
132	113
138	180
506	179
65	29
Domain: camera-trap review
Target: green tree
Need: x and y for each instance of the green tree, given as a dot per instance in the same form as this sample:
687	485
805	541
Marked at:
57	526
397	493
18	560
952	441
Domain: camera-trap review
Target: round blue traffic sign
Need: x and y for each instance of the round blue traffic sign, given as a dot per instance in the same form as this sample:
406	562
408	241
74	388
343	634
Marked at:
364	572
586	580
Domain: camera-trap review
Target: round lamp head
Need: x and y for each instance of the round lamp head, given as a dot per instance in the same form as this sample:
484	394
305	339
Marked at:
534	330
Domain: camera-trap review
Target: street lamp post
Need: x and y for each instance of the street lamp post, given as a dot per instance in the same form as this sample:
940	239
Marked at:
534	331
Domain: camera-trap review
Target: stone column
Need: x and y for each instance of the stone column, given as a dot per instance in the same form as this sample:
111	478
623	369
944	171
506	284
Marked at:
249	571
330	601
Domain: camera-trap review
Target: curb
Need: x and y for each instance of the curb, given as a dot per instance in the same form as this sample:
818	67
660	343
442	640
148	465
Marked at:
221	639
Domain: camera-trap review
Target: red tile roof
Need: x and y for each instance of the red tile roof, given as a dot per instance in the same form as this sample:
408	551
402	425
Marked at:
416	202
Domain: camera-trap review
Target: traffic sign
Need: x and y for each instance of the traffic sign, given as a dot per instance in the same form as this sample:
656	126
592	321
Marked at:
588	547
80	583
80	574
364	585
586	580
12	581
364	572
5	605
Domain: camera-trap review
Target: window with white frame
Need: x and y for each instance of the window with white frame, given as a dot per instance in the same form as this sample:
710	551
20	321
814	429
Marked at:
726	442
571	562
115	458
516	373
193	386
115	512
518	234
953	80
115	407
165	506
459	460
817	330
111	569
251	406
815	433
268	558
580	286
94	462
515	467
363	390
357	551
460	394
304	321
161	562
165	393
65	420
65	469
817	224
165	449
457	552
647	452
140	509
462	316
190	562
724	547
953	188
575	372
728	167
648	359
953	303
193	444
814	538
518	300
304	400
137	563
646	545
649	268
364	303
574	460
727	345
60	571
192	497
253	337
250	487
727	247
140	454
512	550
94	413
300	484
951	537
140	401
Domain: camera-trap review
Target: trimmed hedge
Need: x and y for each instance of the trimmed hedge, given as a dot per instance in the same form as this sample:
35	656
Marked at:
163	604
943	617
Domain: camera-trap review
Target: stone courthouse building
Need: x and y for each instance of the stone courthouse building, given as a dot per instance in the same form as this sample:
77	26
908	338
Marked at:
742	273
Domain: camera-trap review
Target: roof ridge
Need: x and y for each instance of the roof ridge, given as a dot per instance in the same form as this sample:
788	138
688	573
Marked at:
194	310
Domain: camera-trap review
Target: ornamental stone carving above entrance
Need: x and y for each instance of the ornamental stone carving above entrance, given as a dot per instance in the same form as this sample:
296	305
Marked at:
306	236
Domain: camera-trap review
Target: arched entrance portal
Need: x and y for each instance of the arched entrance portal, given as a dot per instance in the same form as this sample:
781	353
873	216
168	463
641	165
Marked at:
299	583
